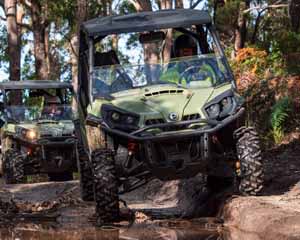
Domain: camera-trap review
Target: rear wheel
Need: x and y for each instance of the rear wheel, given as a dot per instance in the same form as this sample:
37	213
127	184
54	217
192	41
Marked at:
250	159
86	176
105	186
13	167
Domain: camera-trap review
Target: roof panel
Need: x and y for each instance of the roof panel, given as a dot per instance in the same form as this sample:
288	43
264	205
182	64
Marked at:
34	84
145	21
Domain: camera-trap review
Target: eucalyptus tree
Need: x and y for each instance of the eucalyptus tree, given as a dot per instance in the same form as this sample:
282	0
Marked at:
13	39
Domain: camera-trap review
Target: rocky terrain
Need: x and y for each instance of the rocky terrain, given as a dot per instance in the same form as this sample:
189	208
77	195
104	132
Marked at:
181	205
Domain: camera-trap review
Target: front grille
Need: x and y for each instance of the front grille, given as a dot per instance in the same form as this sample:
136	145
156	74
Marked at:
67	134
46	135
154	121
191	117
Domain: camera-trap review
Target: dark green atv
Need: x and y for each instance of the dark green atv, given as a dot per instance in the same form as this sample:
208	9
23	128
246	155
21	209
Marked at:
168	119
37	133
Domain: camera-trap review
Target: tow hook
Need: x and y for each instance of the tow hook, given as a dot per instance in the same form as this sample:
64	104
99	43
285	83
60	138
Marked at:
131	147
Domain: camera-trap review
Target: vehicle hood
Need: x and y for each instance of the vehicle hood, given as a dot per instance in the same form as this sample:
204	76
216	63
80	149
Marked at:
158	102
48	129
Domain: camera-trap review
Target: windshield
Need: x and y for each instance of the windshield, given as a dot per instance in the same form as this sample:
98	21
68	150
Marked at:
188	72
27	105
47	113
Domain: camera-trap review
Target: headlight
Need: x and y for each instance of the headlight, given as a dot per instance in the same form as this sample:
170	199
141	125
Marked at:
119	118
222	108
227	106
130	119
31	134
213	111
115	116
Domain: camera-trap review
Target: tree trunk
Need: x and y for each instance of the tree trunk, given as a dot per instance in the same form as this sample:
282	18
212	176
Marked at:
14	50
241	29
142	5
178	3
81	15
74	49
151	53
256	26
40	35
293	11
167	4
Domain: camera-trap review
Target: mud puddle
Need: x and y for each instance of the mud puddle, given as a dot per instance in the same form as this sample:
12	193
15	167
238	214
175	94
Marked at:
31	231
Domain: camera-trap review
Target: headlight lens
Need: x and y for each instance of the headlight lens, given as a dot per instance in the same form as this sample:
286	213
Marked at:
213	111
119	118
221	109
115	116
130	120
31	134
226	106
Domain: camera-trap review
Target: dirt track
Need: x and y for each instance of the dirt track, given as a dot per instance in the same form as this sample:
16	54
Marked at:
273	216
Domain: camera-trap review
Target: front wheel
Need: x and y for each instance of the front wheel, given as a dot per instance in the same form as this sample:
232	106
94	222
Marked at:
13	167
105	186
250	160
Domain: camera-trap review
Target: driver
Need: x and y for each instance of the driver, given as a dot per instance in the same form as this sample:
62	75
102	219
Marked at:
185	46
51	107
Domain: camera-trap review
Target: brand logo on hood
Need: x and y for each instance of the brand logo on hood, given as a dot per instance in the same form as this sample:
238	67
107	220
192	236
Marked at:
173	116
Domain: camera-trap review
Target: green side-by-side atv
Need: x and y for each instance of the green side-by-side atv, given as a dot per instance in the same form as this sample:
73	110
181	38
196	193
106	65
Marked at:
37	130
166	117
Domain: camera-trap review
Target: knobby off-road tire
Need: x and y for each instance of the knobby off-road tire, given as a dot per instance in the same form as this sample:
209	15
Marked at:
86	176
13	167
250	157
105	186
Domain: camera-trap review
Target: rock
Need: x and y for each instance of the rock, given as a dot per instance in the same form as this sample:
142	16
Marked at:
184	198
273	217
276	215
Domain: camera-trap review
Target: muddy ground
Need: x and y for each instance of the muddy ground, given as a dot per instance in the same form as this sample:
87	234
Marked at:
169	210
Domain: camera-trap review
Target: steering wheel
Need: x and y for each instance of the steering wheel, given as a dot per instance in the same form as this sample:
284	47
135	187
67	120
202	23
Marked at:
198	73
122	82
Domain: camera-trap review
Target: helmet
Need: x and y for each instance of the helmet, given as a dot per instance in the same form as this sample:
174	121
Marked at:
185	41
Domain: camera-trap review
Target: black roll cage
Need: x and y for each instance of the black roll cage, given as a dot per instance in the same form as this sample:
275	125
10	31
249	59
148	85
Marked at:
86	58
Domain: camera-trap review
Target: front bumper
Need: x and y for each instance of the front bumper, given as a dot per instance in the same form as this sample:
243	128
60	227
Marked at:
142	134
56	141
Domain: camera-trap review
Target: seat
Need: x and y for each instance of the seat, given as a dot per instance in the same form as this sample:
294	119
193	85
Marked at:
106	58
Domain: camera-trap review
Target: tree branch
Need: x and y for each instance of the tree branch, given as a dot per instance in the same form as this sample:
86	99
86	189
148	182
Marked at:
265	8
